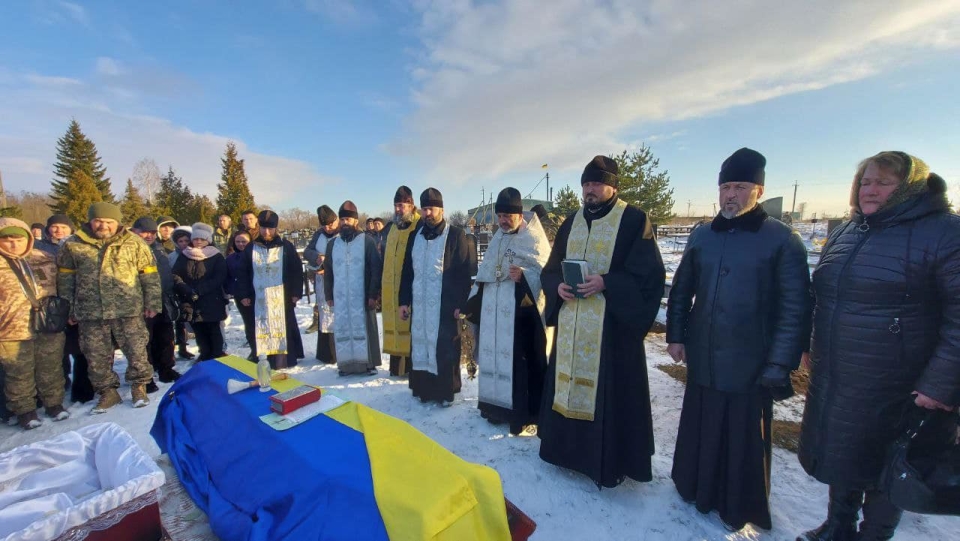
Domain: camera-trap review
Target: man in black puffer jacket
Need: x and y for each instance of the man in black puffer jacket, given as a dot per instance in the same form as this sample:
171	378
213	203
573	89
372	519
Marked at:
886	336
741	338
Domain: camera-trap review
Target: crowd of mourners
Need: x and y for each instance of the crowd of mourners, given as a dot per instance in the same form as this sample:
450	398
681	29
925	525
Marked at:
556	326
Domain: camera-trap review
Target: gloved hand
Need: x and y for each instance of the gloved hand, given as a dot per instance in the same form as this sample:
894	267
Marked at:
776	379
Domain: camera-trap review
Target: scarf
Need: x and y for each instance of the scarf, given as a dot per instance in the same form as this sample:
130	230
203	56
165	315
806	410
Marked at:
431	232
199	254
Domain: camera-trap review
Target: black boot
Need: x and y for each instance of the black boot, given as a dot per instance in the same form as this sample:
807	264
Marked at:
841	523
315	325
880	518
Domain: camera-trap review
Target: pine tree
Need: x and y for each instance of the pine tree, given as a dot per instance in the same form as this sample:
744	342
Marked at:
81	193
642	185
173	198
200	209
233	192
76	152
567	202
13	211
132	207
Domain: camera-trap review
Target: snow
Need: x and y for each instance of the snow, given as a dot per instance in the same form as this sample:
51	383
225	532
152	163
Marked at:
564	504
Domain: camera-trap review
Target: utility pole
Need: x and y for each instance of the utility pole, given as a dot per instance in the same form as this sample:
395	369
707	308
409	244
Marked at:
548	186
793	206
714	209
688	207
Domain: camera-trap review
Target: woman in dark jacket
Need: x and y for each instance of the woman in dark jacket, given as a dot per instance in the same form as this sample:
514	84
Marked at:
886	336
199	276
238	244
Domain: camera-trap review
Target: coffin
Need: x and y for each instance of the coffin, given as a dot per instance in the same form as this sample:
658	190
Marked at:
94	483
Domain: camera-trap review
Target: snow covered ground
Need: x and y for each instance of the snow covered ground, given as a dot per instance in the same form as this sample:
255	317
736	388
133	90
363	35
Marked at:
564	504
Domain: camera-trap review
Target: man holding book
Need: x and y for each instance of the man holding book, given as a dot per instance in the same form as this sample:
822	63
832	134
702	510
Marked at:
507	303
595	416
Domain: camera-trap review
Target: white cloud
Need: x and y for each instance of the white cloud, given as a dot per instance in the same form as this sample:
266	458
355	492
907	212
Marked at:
77	12
41	115
45	80
503	85
108	66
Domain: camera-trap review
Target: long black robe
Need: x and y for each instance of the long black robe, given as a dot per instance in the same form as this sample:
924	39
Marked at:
618	443
458	262
292	287
529	359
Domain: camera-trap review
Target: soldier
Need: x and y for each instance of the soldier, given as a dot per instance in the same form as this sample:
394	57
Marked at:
110	277
30	359
165	227
223	233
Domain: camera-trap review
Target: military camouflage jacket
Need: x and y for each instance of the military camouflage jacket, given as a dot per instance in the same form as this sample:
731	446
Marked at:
15	307
108	279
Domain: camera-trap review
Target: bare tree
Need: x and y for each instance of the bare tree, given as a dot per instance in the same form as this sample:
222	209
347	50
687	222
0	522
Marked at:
297	218
146	177
458	218
34	206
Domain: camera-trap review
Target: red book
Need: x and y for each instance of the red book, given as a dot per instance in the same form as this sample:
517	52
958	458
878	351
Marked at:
294	399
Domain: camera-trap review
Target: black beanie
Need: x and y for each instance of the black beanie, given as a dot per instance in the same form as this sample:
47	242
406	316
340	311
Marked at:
62	219
509	202
601	169
37	225
268	218
431	197
348	210
326	215
403	195
744	165
145	223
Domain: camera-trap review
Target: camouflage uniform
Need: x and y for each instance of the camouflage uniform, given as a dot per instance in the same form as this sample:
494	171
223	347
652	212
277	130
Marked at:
110	283
31	361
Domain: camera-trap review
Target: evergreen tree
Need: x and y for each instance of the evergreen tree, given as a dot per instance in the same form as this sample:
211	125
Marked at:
13	211
200	209
173	198
233	192
76	152
132	206
642	185
567	202
81	193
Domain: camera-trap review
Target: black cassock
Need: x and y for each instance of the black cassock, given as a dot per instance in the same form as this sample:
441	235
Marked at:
292	287
529	360
618	443
459	264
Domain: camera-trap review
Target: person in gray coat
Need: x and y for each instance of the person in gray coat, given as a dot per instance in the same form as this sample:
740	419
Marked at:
737	315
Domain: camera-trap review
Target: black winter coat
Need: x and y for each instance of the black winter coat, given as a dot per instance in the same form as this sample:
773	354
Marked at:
204	279
171	305
886	323
751	284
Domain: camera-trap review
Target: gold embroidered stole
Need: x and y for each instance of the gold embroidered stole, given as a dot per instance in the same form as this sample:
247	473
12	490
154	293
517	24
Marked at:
580	324
396	332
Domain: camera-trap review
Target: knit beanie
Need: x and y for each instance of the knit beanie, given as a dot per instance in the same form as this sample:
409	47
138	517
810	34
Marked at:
14	231
403	195
509	202
104	211
145	223
431	197
181	231
601	169
326	215
202	231
62	219
348	210
744	165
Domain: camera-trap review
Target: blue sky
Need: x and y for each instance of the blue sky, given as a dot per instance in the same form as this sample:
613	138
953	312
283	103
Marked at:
329	100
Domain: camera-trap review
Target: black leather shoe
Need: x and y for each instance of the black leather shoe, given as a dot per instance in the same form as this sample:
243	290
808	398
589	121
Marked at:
152	387
830	531
184	354
168	375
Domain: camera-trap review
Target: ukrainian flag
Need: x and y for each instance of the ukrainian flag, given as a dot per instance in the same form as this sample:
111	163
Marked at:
352	474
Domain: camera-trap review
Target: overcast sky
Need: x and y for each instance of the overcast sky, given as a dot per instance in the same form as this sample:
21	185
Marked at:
330	100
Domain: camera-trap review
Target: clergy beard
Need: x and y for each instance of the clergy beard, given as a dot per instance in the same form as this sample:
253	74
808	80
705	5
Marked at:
433	221
347	232
403	219
731	214
594	207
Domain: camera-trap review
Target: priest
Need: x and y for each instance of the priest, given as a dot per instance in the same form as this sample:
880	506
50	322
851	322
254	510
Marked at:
271	280
595	417
433	289
507	303
351	286
313	256
396	332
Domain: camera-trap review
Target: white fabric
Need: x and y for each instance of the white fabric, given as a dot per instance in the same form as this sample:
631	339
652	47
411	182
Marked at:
49	487
427	286
529	250
326	312
350	301
270	315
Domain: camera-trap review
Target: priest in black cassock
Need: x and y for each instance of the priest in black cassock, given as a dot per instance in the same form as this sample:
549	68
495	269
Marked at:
433	290
271	281
595	417
738	315
351	287
507	303
313	256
